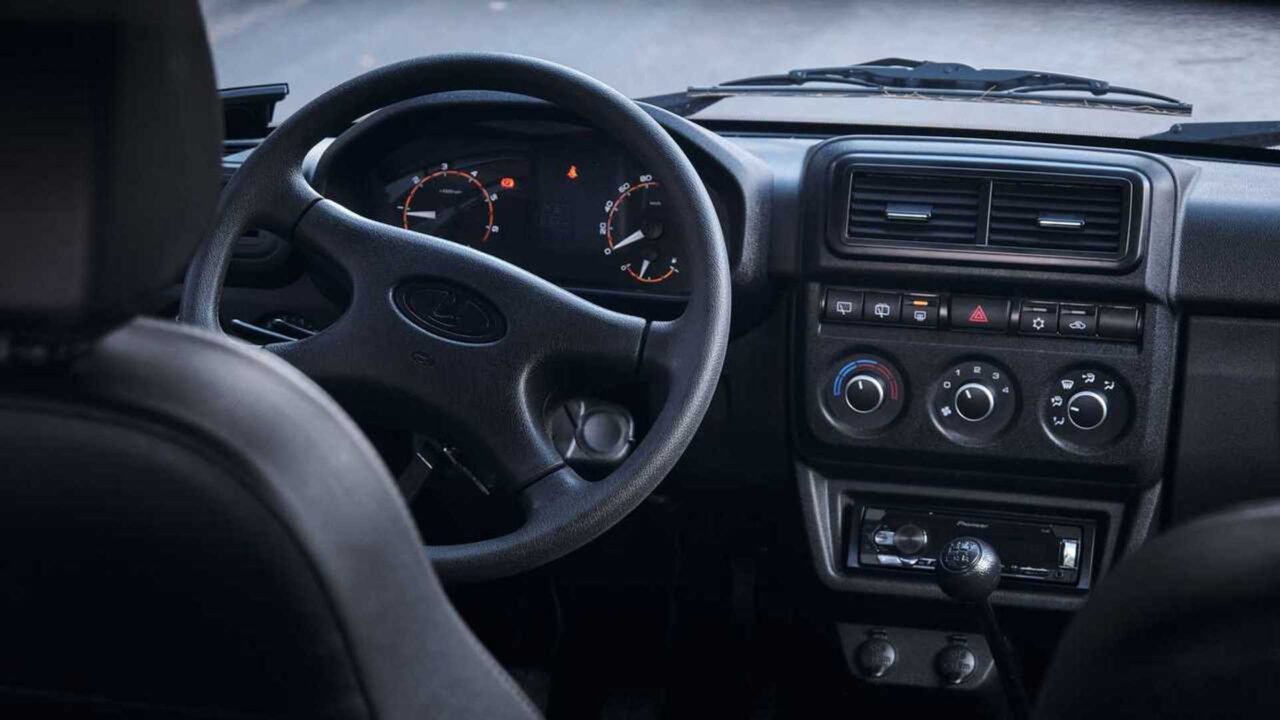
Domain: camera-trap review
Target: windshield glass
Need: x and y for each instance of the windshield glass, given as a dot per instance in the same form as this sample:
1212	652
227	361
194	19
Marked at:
1218	57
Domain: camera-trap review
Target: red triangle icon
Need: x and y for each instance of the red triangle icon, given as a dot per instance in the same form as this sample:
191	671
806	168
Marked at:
978	315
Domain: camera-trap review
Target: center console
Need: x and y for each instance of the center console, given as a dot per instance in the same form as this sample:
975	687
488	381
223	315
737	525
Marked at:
982	347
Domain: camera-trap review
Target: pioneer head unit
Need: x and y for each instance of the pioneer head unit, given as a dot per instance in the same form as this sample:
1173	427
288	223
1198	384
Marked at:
1034	549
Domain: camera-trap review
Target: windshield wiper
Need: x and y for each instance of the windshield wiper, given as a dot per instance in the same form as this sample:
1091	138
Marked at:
1248	133
915	79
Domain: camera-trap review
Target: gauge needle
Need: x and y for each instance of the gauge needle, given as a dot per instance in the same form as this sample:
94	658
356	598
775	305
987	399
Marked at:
428	214
644	268
633	237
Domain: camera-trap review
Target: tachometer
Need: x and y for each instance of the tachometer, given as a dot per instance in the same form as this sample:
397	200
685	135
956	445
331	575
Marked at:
633	232
452	204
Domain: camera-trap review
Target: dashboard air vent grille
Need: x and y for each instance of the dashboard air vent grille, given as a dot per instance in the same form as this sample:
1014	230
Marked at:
893	207
1078	218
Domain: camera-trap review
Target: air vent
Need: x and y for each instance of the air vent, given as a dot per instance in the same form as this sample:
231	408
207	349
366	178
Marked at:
1077	218
913	208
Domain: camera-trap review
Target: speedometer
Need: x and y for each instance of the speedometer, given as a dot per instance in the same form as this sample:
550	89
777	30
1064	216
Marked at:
633	231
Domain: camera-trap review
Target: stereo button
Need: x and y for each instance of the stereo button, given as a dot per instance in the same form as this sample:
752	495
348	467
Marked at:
910	539
1069	555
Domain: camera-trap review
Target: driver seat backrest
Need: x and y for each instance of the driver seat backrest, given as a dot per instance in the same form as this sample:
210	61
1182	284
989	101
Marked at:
189	527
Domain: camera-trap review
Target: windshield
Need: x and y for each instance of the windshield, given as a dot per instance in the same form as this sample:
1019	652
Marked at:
1218	57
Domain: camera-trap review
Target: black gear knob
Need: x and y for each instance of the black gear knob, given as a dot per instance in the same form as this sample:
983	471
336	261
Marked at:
968	569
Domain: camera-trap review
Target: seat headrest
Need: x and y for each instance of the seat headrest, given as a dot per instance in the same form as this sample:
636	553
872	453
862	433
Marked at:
110	135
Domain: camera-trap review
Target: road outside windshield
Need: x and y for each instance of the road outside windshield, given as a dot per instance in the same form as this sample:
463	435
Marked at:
1220	57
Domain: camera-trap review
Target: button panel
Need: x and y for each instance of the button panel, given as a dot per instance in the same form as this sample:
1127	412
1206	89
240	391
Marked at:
944	311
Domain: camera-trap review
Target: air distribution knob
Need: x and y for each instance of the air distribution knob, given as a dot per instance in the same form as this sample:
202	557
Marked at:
968	569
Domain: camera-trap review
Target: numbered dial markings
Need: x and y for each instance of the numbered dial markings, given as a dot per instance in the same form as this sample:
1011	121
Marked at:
452	204
633	231
1086	408
973	401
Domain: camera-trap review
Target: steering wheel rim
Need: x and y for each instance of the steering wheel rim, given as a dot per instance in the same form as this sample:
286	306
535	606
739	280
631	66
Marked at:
544	325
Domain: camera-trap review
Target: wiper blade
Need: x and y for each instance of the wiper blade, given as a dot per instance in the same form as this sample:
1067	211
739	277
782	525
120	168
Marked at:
914	79
1256	134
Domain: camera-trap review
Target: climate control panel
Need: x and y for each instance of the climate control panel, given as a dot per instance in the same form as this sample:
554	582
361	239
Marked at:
975	400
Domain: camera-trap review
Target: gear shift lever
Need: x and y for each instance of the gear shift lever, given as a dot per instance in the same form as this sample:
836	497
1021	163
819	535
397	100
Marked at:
968	571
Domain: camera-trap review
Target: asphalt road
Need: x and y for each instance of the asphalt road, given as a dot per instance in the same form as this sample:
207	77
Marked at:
1224	58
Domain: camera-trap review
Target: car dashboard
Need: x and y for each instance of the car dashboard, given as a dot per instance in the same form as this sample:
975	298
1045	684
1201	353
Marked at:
1059	342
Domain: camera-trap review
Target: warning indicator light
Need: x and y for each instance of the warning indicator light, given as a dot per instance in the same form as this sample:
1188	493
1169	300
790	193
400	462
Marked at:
573	172
978	315
507	183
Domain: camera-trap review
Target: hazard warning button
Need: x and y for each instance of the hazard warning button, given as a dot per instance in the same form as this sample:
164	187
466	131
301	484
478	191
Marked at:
979	313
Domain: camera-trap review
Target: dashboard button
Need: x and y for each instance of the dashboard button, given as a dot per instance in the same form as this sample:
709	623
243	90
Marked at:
1069	554
1120	323
842	306
882	307
1079	320
920	310
1038	318
910	539
980	313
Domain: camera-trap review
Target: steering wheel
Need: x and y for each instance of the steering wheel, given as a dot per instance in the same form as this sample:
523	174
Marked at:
508	340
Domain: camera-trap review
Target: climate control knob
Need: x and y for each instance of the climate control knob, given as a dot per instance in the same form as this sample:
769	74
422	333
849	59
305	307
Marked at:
973	402
1086	408
864	393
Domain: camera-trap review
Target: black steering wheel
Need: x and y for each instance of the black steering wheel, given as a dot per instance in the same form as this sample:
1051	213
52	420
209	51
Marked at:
525	339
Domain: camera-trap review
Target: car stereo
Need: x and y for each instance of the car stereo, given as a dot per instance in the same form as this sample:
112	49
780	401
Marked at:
1039	550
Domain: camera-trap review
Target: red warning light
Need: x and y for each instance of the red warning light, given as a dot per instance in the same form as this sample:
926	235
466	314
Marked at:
978	315
573	172
507	183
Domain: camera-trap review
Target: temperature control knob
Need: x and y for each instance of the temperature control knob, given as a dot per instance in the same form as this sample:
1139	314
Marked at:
973	401
864	393
1086	409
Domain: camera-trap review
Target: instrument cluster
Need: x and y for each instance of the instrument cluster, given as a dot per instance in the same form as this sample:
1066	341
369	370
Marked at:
573	209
